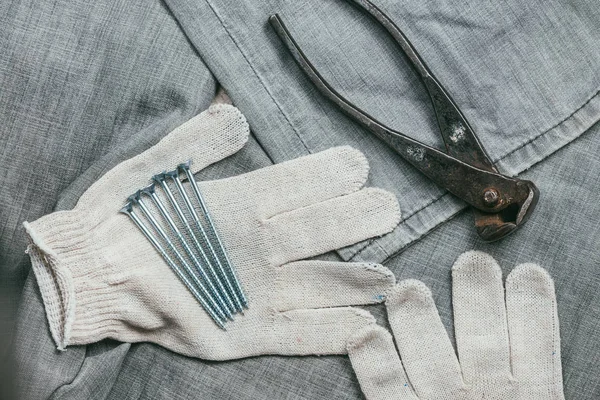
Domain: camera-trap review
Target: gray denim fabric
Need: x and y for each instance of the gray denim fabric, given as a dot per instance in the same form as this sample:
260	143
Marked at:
84	85
525	74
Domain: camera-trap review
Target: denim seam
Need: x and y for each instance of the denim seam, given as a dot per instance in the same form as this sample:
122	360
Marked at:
562	121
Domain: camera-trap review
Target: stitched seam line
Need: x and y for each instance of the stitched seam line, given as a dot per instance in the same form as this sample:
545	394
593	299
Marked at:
549	129
259	78
398	251
435	200
363	247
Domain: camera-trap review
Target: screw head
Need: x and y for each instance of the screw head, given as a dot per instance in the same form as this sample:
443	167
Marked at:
172	174
184	166
149	190
158	178
127	208
491	197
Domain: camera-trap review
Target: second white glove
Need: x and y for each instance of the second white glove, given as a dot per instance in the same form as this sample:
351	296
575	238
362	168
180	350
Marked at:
508	349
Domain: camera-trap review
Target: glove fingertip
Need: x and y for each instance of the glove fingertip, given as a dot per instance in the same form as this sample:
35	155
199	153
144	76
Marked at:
235	122
475	262
387	206
379	270
530	276
356	165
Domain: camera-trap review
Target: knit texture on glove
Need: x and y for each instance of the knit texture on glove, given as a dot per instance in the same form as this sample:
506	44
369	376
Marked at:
508	340
100	278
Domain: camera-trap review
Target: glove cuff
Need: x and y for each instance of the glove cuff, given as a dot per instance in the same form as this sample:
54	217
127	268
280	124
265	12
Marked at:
67	270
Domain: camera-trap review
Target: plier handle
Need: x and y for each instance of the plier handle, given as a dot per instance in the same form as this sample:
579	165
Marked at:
502	203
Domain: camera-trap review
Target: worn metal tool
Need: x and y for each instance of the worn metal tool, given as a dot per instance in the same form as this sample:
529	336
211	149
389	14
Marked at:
501	203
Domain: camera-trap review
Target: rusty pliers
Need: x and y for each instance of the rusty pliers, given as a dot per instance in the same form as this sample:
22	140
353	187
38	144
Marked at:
501	203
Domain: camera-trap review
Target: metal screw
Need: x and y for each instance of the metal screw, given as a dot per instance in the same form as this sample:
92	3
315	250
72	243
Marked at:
160	179
136	199
175	177
128	209
238	288
491	197
150	191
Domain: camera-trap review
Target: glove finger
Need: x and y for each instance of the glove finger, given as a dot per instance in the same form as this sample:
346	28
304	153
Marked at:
321	332
332	224
205	139
300	182
480	317
378	366
423	343
318	284
533	325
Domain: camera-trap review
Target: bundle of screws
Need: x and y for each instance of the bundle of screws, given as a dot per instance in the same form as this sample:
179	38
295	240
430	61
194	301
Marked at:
185	236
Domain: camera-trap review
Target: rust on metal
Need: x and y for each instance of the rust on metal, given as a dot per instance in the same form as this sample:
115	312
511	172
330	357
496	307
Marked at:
501	203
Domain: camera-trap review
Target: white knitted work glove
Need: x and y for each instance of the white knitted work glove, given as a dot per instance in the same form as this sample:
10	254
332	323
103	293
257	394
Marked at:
507	349
100	277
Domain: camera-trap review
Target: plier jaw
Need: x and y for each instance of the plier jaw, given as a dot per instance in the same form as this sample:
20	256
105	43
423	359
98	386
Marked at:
501	203
496	225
